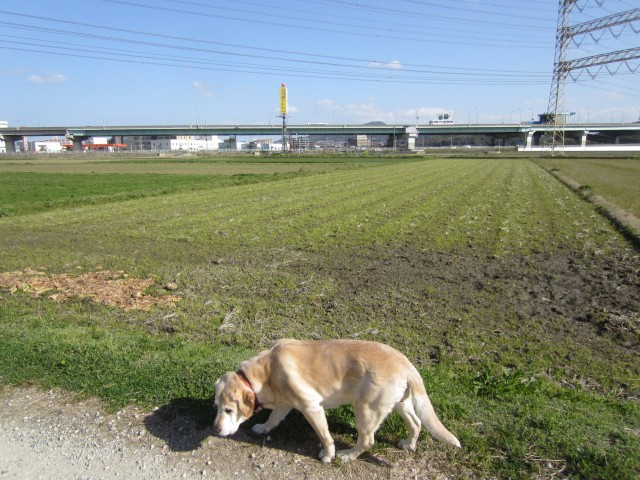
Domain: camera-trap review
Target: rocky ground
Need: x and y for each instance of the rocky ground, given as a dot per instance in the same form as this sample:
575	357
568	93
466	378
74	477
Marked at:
46	435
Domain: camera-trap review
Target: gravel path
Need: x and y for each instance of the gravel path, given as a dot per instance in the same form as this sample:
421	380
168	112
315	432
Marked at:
46	435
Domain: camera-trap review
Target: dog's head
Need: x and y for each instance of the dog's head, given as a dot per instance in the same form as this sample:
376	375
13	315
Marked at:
235	403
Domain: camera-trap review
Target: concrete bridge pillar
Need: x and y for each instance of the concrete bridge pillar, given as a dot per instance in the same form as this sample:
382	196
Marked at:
583	139
528	140
10	143
77	142
409	137
77	145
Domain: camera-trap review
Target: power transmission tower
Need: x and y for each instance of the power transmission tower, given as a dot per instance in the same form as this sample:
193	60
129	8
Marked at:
563	68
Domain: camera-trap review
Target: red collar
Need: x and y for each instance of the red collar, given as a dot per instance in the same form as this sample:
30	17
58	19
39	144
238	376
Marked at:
257	406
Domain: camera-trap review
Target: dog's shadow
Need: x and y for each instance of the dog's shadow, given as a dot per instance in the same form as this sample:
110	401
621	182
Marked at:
185	423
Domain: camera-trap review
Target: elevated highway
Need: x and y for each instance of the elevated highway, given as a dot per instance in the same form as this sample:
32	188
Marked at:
528	134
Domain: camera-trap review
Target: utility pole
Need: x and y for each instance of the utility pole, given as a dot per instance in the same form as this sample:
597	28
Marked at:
283	114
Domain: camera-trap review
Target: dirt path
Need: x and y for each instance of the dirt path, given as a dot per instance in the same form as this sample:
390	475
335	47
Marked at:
51	435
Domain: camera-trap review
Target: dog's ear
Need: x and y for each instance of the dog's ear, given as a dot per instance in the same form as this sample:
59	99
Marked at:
247	403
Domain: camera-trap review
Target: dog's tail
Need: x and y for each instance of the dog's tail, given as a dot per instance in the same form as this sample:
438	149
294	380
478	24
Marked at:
427	414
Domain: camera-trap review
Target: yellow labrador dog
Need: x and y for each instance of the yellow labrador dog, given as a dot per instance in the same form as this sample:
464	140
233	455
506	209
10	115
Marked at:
311	376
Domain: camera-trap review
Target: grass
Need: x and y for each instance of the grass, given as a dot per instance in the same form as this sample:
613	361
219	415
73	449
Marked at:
24	193
173	168
614	179
487	273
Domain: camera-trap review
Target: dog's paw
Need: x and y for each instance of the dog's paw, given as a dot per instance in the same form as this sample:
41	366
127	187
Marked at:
325	458
405	444
260	429
347	455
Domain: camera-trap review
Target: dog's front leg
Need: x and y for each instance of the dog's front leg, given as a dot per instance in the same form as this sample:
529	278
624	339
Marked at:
318	420
277	415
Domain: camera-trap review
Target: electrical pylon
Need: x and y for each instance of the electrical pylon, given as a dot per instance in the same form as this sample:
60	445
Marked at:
555	131
562	69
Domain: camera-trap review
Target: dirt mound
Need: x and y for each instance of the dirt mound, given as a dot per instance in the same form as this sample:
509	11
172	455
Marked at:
115	289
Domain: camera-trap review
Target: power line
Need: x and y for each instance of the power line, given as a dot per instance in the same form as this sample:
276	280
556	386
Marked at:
458	7
626	90
280	24
404	72
430	15
229	45
129	56
381	24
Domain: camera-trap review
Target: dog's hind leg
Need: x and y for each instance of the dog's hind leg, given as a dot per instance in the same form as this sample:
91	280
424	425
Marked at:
368	421
276	416
406	411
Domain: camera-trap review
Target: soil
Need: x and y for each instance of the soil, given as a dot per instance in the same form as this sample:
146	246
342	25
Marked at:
115	289
54	435
591	295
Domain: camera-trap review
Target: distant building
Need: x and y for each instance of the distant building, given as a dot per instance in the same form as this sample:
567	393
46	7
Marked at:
301	142
562	117
360	141
104	144
443	119
185	143
97	140
231	143
3	148
137	143
45	146
263	145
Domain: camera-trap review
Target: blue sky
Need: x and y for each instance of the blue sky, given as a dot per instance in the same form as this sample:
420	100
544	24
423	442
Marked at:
129	62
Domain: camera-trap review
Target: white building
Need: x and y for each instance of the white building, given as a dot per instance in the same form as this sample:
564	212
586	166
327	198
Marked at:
262	145
3	148
185	143
45	146
97	141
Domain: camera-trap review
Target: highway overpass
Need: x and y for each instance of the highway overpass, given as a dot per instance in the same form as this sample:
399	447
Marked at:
528	134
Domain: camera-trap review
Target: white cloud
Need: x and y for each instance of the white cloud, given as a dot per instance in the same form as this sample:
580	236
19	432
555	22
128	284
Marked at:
615	95
49	78
202	89
393	65
326	103
14	72
368	112
357	113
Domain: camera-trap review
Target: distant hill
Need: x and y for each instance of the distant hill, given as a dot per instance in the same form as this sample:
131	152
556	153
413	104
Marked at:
375	123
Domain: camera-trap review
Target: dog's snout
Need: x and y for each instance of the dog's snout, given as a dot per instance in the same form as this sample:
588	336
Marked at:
217	429
223	428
